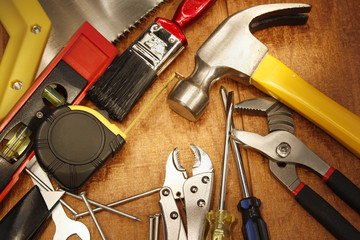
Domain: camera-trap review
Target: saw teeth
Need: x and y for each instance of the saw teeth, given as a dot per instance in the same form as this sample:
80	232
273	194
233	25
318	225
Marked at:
175	157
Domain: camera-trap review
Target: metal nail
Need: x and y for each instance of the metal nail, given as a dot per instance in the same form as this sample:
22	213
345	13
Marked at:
76	216
82	195
120	202
157	221
151	227
47	188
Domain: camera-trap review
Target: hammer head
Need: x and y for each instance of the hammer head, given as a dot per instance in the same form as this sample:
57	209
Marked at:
231	51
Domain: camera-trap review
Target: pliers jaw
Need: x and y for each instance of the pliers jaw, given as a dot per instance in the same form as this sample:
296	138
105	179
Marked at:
196	192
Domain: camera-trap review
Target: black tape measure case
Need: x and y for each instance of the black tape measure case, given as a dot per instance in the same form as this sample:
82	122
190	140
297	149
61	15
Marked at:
74	142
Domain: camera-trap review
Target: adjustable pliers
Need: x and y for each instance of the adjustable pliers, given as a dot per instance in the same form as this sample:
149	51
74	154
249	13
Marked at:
196	192
285	152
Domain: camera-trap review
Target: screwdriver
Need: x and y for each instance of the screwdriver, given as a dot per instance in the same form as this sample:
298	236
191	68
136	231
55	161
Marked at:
220	221
254	227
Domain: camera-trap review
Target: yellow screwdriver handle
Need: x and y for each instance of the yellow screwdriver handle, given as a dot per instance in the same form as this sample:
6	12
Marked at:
28	28
277	80
218	225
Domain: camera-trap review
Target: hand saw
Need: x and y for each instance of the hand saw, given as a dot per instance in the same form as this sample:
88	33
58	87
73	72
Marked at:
111	18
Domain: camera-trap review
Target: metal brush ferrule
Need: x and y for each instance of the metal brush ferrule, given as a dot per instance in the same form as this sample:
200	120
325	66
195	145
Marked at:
158	47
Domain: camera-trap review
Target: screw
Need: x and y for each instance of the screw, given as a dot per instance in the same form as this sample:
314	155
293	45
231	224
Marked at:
39	115
82	195
165	192
155	27
36	29
193	189
17	85
201	203
174	215
171	40
205	179
283	150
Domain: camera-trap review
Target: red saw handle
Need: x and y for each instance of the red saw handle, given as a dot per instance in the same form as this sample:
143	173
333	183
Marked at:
190	10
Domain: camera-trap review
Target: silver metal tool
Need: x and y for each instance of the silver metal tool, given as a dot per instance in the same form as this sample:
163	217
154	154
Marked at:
285	152
125	200
232	51
65	227
111	18
82	195
253	225
238	158
156	226
229	111
103	207
196	192
154	221
151	227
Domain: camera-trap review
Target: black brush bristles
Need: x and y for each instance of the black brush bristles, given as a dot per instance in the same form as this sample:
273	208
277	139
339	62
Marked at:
122	85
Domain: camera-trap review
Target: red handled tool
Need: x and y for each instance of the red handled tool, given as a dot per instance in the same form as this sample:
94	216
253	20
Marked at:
133	72
65	81
285	151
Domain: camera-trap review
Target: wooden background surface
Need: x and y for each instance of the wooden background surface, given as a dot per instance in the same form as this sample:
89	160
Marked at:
325	52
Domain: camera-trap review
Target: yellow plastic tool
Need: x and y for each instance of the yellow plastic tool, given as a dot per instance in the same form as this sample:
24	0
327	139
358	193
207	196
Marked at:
28	28
280	82
220	222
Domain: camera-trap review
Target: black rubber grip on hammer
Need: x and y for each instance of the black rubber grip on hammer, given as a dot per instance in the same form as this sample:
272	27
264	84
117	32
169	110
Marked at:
325	214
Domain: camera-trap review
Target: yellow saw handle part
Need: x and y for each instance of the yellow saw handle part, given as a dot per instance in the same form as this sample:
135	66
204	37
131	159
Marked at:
274	78
28	28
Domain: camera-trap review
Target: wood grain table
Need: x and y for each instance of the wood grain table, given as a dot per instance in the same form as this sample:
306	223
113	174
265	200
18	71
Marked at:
325	52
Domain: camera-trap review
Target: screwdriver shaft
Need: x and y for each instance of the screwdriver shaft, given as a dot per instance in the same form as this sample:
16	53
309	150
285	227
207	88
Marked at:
239	162
226	153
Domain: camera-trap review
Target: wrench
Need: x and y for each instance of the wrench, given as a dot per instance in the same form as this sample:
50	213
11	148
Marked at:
65	227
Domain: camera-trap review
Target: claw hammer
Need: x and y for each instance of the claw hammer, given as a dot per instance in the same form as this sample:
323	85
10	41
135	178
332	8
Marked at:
232	51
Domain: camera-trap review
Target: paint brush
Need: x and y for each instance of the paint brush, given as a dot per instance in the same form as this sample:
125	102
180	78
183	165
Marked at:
133	72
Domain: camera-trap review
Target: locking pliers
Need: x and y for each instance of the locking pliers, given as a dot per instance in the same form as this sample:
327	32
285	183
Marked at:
196	192
285	152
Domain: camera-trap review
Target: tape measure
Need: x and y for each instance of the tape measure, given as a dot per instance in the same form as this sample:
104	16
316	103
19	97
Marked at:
74	142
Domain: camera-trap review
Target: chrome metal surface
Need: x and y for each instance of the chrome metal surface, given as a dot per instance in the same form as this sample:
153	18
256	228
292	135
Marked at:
111	18
230	51
226	151
197	203
238	158
157	46
300	153
196	191
125	200
151	227
203	163
279	116
173	227
103	207
65	227
175	175
285	174
156	226
82	195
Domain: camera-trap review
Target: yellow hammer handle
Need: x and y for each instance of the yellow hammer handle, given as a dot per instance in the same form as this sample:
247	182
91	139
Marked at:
277	80
28	28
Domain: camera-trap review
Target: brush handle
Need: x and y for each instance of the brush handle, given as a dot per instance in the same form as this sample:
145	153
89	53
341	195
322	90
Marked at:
190	10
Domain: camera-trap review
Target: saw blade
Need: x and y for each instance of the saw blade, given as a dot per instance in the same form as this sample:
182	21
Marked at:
111	18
